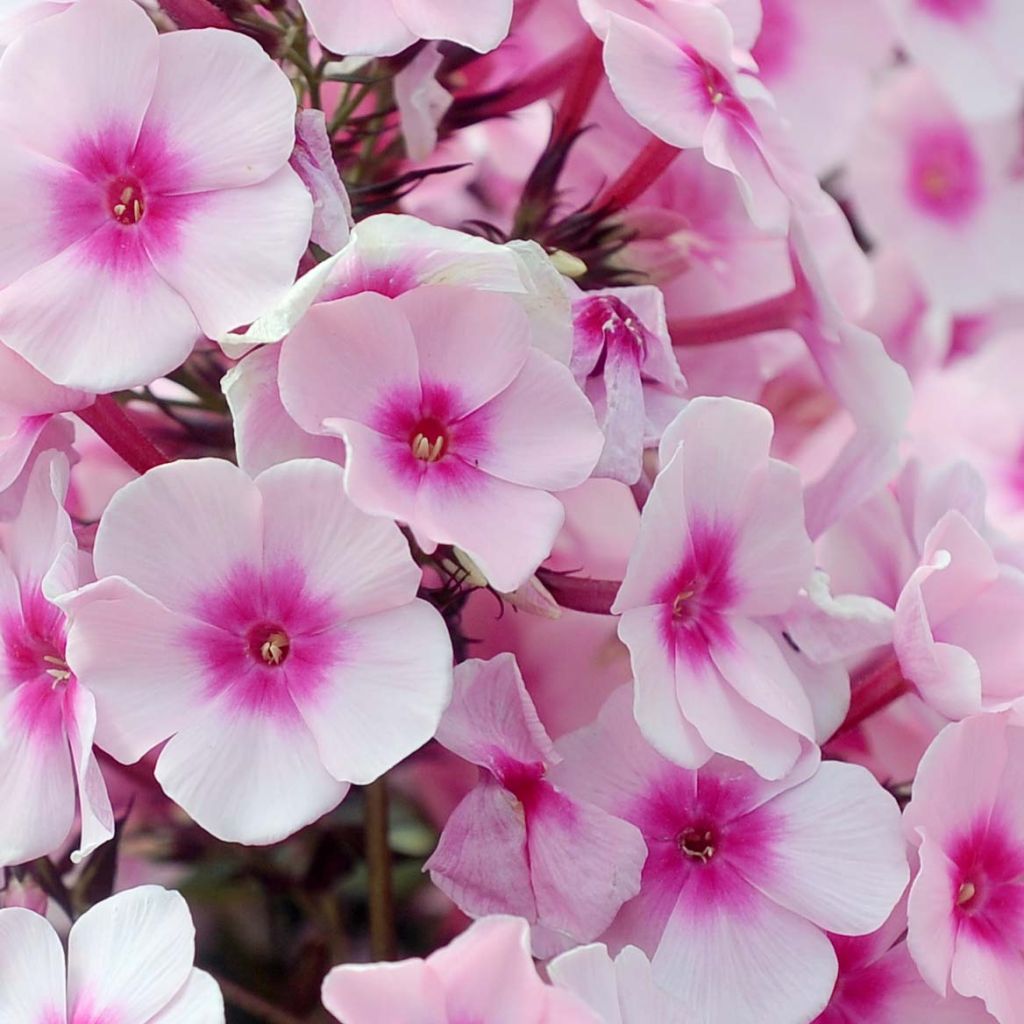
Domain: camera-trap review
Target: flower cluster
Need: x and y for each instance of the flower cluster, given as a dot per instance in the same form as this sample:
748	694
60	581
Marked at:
511	511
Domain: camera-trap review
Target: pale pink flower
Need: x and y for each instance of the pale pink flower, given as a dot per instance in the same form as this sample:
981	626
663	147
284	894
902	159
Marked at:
129	959
722	545
672	66
47	716
516	844
622	357
972	47
804	44
387	27
620	991
966	910
268	630
485	974
453	422
388	254
743	877
143	202
943	191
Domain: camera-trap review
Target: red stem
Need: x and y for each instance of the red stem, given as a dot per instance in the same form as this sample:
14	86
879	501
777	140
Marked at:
872	690
580	594
121	434
775	314
542	81
582	75
647	166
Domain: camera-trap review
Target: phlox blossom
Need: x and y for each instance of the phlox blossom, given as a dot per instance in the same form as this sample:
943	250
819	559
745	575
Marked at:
620	991
966	909
946	192
722	544
485	974
144	202
672	66
129	959
47	716
743	876
516	844
453	422
622	357
268	630
386	27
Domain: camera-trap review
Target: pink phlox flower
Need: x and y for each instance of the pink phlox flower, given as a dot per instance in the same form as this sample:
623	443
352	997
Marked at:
128	959
620	991
268	630
966	909
673	67
461	440
485	974
971	46
743	876
391	254
621	354
944	191
516	844
144	204
390	26
48	768
722	547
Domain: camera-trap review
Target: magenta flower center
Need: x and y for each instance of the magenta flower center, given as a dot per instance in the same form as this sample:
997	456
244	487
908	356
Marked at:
126	201
429	439
697	843
945	174
269	643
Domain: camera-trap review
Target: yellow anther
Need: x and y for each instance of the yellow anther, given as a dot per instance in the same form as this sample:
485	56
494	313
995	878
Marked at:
274	648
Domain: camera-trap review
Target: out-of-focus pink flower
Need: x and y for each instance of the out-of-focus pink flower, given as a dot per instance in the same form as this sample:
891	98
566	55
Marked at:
313	161
943	191
129	958
722	544
143	202
622	355
389	26
966	910
620	991
516	844
972	47
47	715
968	409
269	629
461	440
804	43
743	877
673	68
484	974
